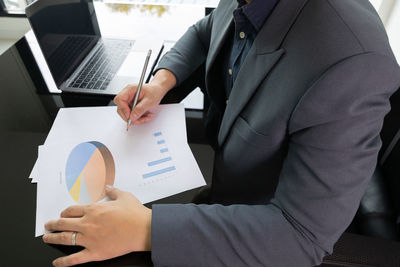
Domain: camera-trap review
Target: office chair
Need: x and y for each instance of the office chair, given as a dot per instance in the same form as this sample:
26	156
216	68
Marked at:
379	211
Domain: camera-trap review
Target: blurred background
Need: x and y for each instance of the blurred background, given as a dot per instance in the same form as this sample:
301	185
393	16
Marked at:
13	24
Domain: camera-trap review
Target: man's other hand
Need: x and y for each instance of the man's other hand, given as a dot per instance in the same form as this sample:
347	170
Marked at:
105	230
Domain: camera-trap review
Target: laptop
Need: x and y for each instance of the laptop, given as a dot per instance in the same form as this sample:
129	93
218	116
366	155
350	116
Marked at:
79	58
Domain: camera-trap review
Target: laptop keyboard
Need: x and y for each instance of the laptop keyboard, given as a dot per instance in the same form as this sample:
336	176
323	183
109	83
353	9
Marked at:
103	65
70	49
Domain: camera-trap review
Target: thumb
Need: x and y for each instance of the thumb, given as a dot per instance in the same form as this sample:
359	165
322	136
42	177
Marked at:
113	193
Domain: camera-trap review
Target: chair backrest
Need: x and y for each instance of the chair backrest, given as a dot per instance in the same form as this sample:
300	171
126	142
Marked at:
389	157
379	211
378	214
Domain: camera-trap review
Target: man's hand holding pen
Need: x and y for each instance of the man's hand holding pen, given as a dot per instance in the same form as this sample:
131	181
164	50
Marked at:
150	96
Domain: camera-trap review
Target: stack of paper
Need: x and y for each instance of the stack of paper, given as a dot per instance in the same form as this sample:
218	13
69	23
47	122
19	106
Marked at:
89	148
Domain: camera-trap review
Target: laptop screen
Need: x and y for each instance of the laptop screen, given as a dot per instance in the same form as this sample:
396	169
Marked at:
66	31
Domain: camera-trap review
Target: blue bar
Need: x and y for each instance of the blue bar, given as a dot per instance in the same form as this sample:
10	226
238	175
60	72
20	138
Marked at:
152	163
157	134
151	174
164	150
161	142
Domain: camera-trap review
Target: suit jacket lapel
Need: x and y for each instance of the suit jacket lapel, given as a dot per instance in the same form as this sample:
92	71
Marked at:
261	58
255	68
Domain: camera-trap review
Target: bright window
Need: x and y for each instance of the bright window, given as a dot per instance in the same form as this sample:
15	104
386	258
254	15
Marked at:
392	27
15	5
376	3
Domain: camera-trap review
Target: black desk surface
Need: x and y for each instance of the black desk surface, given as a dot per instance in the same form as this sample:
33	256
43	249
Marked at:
25	119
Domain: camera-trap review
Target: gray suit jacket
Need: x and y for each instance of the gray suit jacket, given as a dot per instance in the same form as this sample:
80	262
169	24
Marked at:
297	142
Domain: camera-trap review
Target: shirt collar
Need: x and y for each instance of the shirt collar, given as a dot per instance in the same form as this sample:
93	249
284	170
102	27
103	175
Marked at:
257	11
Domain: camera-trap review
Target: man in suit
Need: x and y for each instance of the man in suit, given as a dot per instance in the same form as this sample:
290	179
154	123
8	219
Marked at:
298	90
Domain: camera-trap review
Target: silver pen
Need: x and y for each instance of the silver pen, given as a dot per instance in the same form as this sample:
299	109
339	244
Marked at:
139	87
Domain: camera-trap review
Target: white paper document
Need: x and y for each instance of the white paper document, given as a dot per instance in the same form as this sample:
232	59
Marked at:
89	148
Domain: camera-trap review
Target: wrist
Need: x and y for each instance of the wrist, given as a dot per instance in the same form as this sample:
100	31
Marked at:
164	79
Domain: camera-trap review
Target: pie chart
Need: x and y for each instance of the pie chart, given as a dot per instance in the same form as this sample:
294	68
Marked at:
90	167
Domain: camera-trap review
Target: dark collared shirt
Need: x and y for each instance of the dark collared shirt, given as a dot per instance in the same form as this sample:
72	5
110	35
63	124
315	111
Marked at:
248	20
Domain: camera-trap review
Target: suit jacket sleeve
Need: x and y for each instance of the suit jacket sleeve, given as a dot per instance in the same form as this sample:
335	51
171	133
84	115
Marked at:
333	145
190	51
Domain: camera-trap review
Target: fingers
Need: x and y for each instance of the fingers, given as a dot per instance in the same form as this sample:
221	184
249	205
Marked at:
74	211
145	118
124	114
113	193
64	238
124	99
140	110
63	224
73	259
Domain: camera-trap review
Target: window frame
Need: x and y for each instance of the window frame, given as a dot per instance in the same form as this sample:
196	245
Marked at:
6	13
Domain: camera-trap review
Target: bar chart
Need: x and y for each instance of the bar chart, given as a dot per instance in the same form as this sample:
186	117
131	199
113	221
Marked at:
163	165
